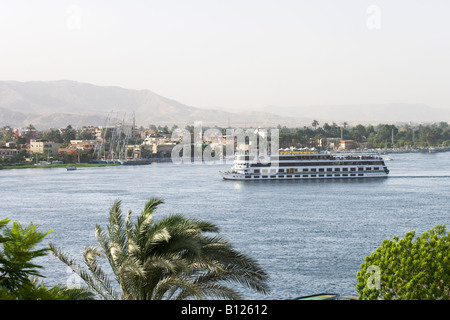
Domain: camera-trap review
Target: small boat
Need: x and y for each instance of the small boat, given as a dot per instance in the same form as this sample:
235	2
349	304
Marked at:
71	168
135	161
321	296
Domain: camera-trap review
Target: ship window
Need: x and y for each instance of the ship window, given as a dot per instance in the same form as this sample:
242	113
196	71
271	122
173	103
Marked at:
321	175
305	170
353	174
273	176
360	174
256	177
344	169
352	169
337	169
313	175
360	169
264	176
297	176
345	175
368	168
248	176
313	170
305	176
289	176
329	169
329	175
337	175
257	171
281	170
376	168
321	170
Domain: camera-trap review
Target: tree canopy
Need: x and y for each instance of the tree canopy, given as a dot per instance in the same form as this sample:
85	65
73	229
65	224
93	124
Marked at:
19	274
18	251
405	269
379	136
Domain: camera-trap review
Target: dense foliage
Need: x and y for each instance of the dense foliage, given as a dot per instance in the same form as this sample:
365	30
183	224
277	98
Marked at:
18	251
19	275
380	136
406	269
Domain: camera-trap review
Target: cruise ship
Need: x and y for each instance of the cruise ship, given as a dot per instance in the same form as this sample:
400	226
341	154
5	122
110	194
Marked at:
291	165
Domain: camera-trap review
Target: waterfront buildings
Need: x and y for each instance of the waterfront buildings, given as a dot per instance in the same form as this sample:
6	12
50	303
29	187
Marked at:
8	152
85	145
42	146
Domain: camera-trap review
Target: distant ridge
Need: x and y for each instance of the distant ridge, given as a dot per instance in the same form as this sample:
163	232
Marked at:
55	104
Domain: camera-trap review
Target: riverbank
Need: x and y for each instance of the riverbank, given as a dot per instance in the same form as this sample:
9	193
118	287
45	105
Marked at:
415	150
78	165
396	150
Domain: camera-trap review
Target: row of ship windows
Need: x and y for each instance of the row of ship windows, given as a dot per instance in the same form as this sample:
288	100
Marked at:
315	170
310	176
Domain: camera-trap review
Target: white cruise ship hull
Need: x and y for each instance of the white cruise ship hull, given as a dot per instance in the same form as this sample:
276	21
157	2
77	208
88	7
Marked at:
237	176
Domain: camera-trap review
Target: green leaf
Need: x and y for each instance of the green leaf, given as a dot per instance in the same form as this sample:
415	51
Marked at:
420	268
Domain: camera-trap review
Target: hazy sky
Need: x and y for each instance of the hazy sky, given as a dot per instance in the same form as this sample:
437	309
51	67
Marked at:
237	54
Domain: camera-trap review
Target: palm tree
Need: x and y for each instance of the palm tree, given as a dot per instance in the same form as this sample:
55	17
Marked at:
315	123
169	259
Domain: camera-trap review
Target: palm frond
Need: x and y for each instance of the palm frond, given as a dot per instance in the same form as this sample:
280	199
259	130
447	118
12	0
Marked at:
152	204
90	281
90	256
213	290
105	242
117	227
132	278
77	293
175	281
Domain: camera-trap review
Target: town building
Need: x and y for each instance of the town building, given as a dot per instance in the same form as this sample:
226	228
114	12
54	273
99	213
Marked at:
85	145
90	130
163	150
347	144
7	153
41	146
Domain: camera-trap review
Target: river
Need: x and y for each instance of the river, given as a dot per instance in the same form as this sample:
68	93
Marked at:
310	236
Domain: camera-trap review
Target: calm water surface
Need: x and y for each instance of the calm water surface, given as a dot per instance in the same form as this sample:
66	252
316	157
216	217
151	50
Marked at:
311	236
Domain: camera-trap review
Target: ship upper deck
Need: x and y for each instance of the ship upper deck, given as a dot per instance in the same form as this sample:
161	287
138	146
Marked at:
304	156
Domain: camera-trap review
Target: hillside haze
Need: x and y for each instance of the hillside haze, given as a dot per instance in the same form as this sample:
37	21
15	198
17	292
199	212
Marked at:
54	104
58	103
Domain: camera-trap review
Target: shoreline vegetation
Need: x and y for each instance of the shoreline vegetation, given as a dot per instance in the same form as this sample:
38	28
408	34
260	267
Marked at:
155	143
84	165
46	166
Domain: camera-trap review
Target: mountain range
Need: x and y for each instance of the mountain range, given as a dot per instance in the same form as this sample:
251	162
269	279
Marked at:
55	104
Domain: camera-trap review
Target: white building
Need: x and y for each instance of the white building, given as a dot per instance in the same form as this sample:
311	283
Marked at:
41	146
8	153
